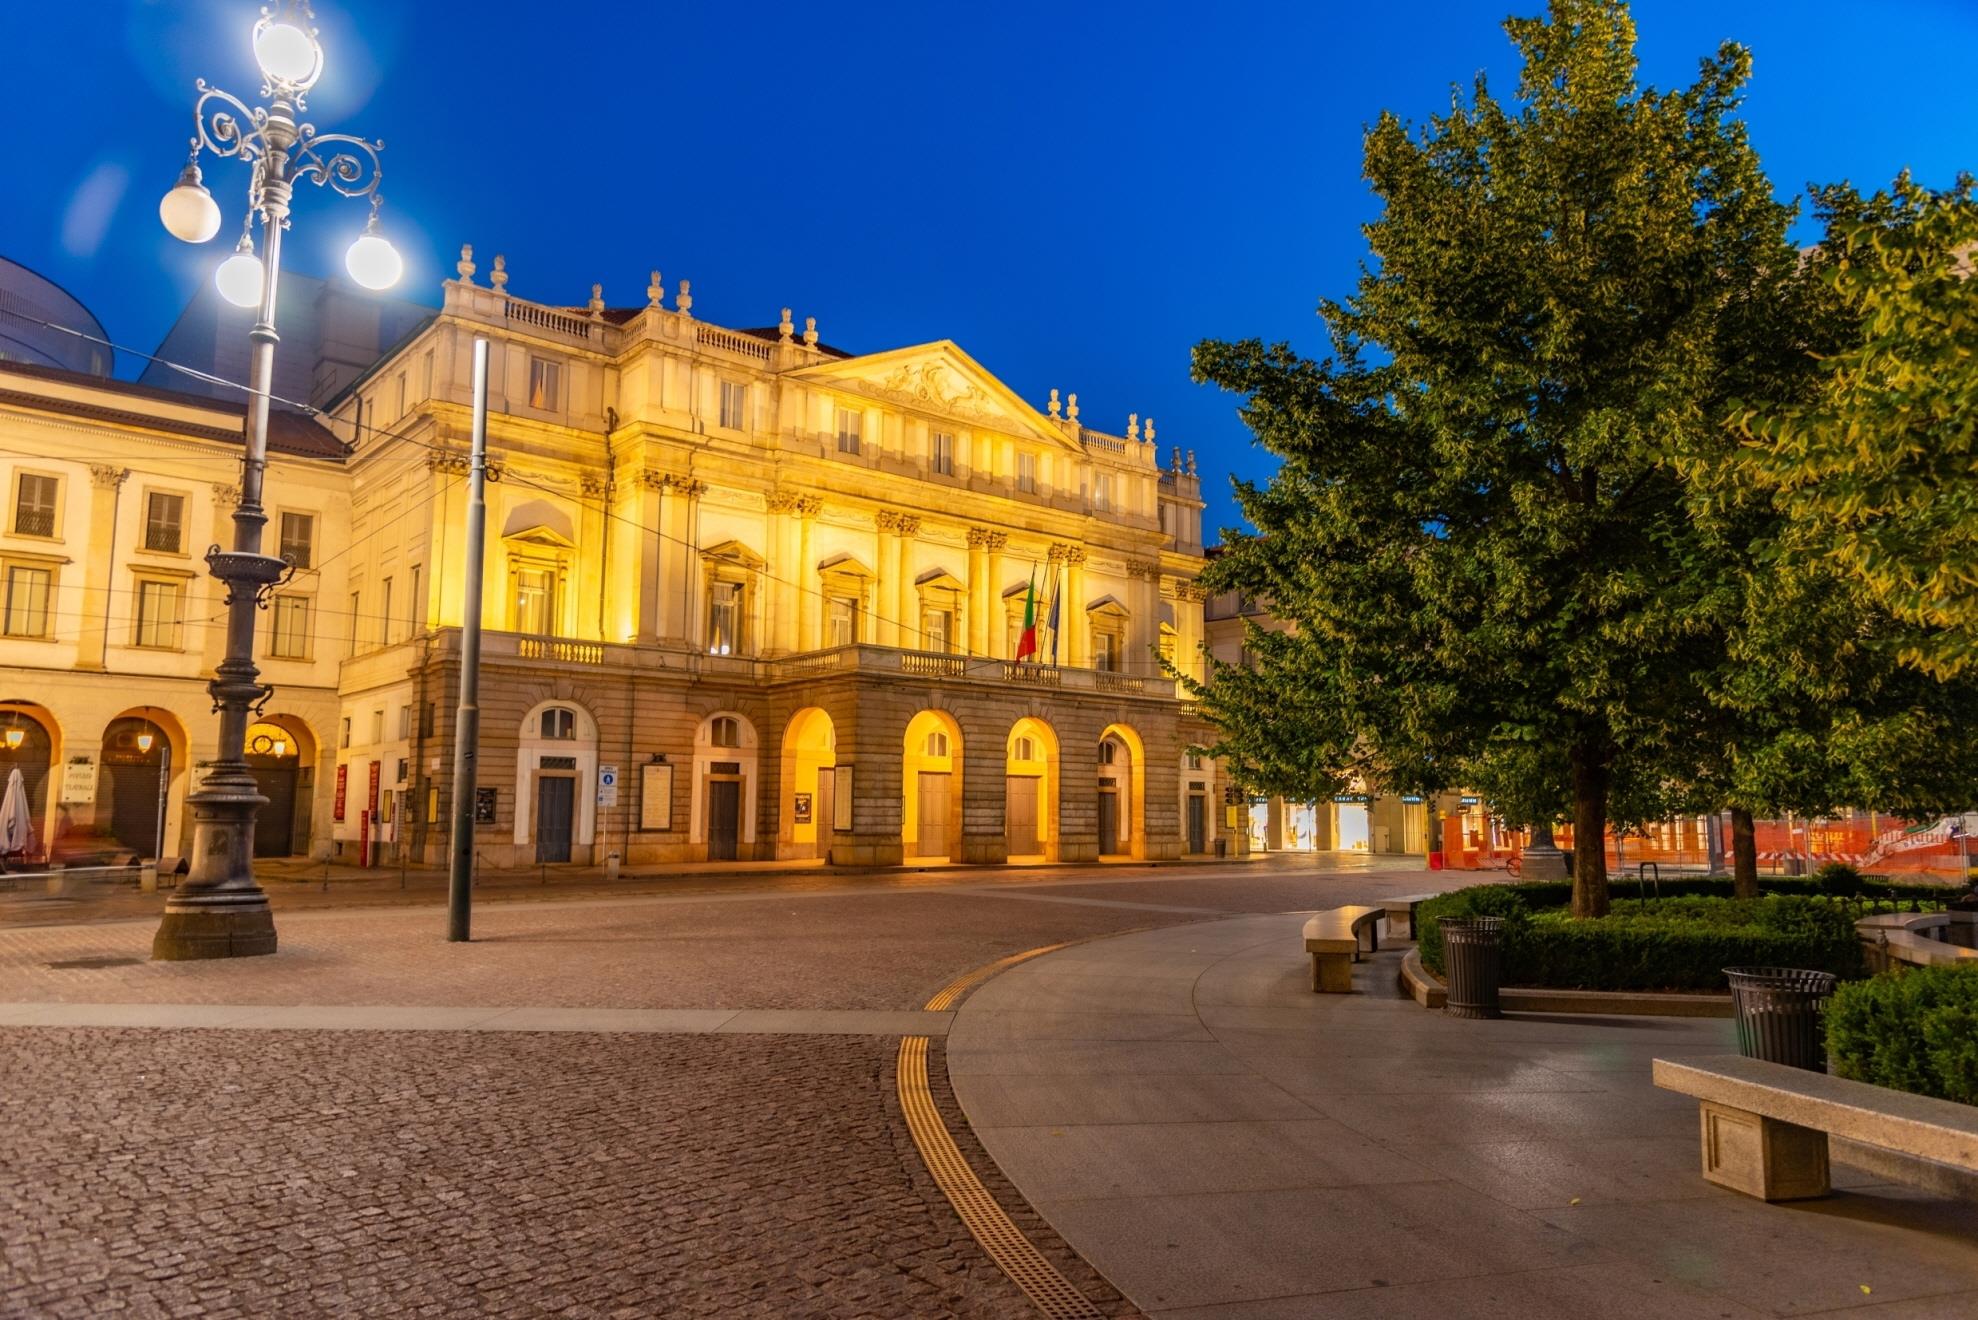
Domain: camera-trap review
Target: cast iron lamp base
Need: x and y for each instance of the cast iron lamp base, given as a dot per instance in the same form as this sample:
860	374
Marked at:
219	912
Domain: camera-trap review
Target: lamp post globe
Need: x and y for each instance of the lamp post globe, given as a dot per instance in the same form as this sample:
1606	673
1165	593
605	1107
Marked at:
239	277
372	261
287	53
188	211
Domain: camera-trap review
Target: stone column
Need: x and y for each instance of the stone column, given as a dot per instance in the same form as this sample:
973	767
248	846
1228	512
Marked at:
214	644
1188	629
907	607
1071	615
678	591
592	589
984	789
804	575
780	637
652	587
999	642
978	590
99	565
1143	626
888	626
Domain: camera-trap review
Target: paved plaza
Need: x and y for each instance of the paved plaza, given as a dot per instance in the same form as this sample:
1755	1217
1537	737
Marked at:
683	1100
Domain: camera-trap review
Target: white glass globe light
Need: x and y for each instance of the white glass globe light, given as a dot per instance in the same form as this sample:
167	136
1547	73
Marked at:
188	210
239	277
372	261
286	53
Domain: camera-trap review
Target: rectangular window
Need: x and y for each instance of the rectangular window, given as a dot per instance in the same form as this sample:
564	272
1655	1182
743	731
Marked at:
415	605
399	396
724	618
535	601
941	453
356	619
734	406
164	521
291	628
851	424
1026	473
1106	652
545	384
844	621
377	726
299	539
34	505
387	625
343	734
937	629
404	723
27	600
426	375
160	609
1102	492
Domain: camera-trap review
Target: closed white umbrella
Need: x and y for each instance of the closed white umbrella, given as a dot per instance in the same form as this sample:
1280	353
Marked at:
16	816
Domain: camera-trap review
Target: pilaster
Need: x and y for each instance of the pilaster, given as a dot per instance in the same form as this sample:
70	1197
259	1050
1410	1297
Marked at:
105	481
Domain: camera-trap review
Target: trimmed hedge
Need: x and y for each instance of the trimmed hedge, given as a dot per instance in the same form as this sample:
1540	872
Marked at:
1911	1030
1681	943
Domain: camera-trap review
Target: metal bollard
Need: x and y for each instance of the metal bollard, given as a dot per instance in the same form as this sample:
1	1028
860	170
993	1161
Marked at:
611	867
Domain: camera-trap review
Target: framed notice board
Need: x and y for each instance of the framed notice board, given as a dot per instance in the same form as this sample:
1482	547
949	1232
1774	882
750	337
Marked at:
655	797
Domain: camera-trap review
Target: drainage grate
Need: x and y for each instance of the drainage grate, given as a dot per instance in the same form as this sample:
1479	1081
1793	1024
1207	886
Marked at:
86	964
1003	1240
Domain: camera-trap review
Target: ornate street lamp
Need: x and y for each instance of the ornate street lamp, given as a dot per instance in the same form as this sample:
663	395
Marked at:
220	912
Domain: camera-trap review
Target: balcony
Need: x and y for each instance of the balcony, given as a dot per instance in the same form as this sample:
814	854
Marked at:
568	652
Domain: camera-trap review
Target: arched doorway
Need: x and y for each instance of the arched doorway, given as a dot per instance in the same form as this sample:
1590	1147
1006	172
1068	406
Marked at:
1030	791
724	786
556	781
27	744
809	776
282	753
133	778
930	778
1122	793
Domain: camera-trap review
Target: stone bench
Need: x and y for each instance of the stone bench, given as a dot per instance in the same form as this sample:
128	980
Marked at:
1765	1126
1401	914
1334	940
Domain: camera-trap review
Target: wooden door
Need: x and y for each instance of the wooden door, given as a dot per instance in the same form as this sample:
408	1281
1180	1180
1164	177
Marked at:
556	800
724	819
1020	815
934	802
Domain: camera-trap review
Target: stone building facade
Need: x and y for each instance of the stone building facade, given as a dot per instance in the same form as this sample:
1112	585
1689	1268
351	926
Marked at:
745	596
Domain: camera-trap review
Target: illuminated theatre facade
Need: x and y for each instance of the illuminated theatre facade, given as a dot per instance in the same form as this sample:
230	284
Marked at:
750	597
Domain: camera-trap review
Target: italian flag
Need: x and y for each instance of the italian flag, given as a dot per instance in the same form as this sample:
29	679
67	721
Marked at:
1026	645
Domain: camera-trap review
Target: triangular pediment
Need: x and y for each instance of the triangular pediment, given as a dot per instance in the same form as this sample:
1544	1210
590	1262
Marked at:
938	378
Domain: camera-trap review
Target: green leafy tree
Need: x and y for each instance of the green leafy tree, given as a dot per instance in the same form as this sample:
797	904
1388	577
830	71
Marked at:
1880	470
1479	526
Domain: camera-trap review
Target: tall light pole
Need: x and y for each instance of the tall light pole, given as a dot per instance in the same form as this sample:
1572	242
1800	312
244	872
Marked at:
220	912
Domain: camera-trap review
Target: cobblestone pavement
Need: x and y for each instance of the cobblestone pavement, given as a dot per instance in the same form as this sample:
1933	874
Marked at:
426	1173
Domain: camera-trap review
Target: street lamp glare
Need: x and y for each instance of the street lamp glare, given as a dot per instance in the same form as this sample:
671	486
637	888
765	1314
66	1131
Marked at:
239	276
372	261
144	741
287	54
15	737
189	212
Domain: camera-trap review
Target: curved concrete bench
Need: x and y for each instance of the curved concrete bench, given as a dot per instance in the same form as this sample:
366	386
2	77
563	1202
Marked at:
1401	914
1765	1126
1334	938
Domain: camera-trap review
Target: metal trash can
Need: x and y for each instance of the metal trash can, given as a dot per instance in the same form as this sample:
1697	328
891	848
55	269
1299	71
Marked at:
1781	1014
1473	958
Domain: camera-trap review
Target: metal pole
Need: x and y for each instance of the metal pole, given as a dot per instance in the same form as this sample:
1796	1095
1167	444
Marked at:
164	785
467	722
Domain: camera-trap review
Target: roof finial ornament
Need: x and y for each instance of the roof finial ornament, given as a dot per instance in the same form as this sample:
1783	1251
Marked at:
1148	434
1133	427
466	263
655	292
784	329
499	275
1191	462
685	302
597	302
1054	405
1176	464
1071	407
810	332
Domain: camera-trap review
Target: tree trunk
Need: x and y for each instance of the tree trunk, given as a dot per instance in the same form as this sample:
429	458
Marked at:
1590	776
1744	854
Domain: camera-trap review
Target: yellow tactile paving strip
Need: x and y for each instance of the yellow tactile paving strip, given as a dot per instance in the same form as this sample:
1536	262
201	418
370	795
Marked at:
1013	1253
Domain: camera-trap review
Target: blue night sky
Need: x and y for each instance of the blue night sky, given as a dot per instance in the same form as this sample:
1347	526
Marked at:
1074	193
